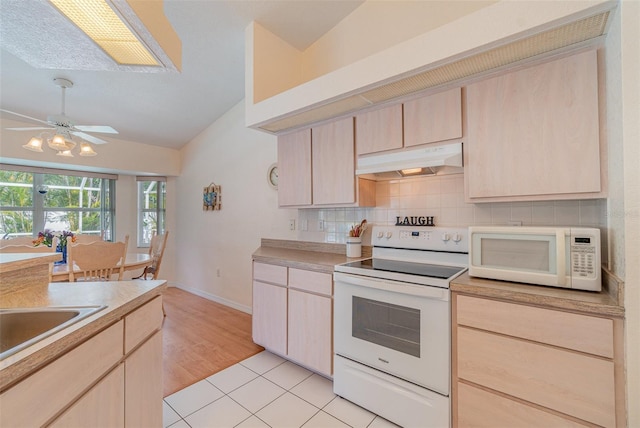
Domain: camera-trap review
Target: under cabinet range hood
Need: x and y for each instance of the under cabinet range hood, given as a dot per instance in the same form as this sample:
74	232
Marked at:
411	162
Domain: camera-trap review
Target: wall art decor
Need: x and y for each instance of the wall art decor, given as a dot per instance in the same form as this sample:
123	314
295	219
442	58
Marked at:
212	198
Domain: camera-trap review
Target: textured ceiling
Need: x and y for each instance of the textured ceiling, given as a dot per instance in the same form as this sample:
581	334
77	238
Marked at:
166	108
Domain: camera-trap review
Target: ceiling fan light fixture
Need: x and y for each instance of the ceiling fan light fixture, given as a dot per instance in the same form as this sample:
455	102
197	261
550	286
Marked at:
58	142
87	150
34	144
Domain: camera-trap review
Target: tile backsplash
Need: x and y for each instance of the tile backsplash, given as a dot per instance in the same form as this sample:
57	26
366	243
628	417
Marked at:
443	198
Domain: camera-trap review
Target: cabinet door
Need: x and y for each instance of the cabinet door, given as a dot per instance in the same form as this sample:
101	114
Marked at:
101	406
379	130
143	387
433	118
534	133
294	168
333	156
310	331
269	319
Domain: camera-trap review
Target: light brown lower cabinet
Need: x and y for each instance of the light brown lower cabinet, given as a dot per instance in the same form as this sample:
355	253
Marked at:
520	365
293	314
97	383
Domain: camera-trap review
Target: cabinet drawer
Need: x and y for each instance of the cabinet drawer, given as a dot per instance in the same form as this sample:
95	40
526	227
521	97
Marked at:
141	323
270	273
573	331
315	282
568	382
482	409
38	398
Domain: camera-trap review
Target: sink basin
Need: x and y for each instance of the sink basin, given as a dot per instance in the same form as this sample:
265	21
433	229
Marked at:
22	327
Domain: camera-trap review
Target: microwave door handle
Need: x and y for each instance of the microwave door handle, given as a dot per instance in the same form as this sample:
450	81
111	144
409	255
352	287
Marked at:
560	257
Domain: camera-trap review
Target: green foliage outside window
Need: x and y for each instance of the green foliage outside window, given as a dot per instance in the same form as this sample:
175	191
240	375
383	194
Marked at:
31	202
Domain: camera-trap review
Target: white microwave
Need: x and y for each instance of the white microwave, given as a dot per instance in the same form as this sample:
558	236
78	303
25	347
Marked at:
551	256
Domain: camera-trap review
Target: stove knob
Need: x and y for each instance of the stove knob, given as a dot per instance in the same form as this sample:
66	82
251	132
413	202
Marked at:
380	235
457	237
445	237
389	235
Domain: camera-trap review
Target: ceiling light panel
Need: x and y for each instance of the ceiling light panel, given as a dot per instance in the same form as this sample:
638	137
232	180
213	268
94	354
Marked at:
99	21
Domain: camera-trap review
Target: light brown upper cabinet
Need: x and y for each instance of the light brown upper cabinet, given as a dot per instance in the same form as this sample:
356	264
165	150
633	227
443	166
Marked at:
433	118
317	168
379	130
533	134
429	119
294	168
333	163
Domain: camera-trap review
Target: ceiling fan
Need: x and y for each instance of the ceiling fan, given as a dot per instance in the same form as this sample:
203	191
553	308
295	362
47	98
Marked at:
64	125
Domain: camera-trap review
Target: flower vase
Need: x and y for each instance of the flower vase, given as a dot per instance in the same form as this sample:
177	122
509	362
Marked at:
62	250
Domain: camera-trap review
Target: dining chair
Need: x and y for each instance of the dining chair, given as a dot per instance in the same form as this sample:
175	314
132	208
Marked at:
156	251
97	261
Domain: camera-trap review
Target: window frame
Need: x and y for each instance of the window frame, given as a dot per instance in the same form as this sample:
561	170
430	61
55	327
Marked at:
39	210
159	210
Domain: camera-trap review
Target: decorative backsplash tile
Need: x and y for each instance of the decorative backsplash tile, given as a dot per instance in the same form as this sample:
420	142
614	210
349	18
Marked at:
443	198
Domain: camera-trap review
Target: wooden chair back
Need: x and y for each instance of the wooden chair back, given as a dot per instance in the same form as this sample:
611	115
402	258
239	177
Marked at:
97	261
83	238
18	240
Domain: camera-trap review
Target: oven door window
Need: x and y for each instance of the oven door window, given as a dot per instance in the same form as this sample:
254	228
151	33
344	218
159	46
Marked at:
385	324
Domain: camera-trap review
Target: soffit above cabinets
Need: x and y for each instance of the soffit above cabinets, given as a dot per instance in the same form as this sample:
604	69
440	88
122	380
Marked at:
564	38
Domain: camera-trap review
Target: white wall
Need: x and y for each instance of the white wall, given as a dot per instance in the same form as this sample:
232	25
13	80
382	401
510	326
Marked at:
237	159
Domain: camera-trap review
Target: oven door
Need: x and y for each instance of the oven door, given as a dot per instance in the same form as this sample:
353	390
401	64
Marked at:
399	328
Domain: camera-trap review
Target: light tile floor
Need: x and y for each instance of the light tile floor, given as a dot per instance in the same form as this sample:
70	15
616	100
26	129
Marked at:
265	391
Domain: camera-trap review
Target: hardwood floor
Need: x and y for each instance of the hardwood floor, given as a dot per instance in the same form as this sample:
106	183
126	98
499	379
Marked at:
200	338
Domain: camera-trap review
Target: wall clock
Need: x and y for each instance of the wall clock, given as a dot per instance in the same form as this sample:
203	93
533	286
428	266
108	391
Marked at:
272	176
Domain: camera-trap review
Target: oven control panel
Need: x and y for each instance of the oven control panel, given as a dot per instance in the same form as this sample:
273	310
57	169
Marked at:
427	238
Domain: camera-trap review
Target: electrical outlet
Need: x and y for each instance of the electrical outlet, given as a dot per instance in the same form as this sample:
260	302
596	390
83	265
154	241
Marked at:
292	224
320	225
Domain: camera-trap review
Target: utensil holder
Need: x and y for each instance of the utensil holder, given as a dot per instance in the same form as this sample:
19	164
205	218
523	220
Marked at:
354	246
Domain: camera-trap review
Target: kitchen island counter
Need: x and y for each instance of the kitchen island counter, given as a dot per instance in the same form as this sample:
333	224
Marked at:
605	303
313	256
119	297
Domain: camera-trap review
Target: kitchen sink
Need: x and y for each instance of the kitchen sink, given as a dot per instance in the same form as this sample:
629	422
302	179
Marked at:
22	327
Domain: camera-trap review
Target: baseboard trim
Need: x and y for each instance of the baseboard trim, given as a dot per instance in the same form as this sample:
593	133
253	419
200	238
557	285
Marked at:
214	298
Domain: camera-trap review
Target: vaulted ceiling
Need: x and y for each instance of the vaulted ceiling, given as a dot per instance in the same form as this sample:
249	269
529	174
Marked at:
165	109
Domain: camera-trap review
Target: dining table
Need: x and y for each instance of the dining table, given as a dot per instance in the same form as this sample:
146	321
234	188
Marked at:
133	261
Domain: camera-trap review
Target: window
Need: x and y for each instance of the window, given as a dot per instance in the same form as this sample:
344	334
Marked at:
151	208
33	199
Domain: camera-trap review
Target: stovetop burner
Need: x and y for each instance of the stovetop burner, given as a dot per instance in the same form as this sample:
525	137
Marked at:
408	268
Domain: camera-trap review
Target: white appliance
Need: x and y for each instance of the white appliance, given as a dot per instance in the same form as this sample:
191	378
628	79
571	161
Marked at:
392	324
566	257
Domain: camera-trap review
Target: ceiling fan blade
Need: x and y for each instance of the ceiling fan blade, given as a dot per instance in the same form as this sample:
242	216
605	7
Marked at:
103	129
33	128
89	138
24	116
